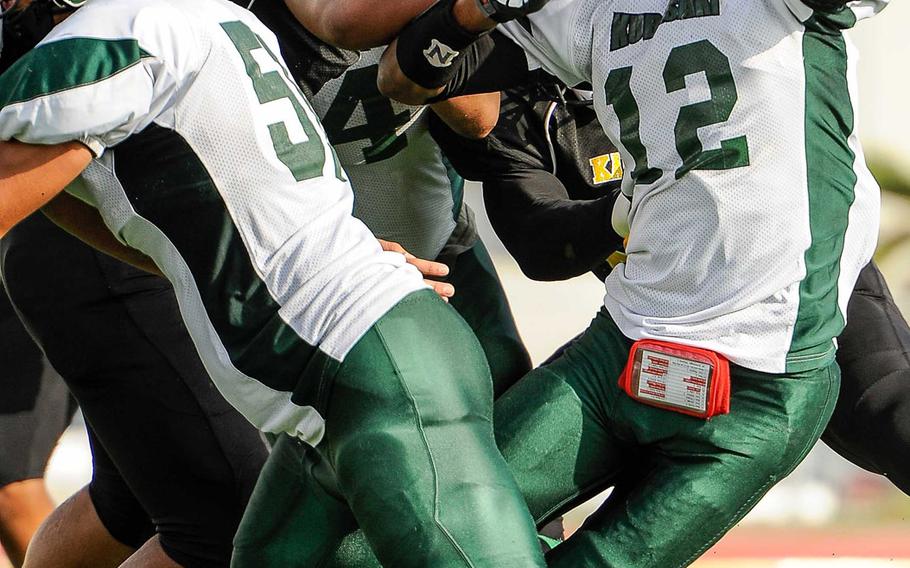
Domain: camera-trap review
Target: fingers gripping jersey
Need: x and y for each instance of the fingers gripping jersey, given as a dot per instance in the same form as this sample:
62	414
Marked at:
752	209
404	190
211	162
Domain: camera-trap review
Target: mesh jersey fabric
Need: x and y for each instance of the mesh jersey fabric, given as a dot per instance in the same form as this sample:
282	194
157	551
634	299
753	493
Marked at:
156	72
403	188
732	131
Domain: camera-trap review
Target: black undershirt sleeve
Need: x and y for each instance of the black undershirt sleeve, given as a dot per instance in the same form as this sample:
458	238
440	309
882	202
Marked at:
551	236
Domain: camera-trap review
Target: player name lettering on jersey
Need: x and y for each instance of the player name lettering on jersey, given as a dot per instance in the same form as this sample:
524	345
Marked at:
628	29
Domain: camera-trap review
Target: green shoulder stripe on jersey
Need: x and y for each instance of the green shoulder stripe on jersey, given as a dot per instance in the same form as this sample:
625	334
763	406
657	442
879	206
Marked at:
67	64
829	122
168	185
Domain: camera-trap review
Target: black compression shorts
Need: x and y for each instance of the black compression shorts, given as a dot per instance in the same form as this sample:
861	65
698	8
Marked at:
115	334
35	405
871	423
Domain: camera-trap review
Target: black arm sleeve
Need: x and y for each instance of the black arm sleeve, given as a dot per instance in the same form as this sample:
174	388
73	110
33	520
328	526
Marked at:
492	63
551	236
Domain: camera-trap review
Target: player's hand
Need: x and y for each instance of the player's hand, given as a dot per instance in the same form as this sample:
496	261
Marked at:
504	10
428	268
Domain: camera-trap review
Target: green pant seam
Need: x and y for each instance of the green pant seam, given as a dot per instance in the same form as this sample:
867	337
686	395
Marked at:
426	444
736	517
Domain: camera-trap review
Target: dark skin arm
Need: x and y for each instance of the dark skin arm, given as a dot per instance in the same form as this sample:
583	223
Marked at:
33	177
392	81
85	223
471	116
353	24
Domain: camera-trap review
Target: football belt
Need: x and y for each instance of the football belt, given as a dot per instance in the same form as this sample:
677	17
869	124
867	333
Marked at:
679	378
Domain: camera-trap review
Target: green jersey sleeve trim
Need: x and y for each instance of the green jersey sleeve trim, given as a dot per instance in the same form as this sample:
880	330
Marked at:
67	64
835	21
831	181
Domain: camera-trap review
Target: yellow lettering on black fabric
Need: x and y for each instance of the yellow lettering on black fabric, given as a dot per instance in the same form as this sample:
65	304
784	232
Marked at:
607	167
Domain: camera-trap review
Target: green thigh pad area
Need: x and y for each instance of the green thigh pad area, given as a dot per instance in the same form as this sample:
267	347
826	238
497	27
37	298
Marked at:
568	431
481	301
408	456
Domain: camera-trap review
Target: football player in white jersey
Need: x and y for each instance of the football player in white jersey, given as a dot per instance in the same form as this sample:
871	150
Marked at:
180	124
404	191
750	212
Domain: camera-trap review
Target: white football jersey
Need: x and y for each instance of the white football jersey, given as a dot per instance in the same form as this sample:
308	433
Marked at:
210	161
403	188
752	210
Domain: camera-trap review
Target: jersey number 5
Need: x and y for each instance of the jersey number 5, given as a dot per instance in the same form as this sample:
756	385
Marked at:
304	159
685	60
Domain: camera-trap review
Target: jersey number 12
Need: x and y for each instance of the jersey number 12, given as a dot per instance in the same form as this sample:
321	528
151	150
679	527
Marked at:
699	57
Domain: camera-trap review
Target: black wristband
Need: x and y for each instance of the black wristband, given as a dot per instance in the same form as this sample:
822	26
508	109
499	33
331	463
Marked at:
431	46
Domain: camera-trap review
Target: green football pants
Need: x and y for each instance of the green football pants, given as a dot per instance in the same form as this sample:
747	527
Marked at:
568	432
408	456
482	302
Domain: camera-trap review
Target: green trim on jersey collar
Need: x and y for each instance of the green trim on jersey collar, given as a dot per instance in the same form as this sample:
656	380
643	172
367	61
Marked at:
67	64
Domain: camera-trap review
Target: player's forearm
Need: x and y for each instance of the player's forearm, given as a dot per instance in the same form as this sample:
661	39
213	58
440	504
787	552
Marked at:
85	223
31	175
355	24
472	116
416	81
393	83
490	63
